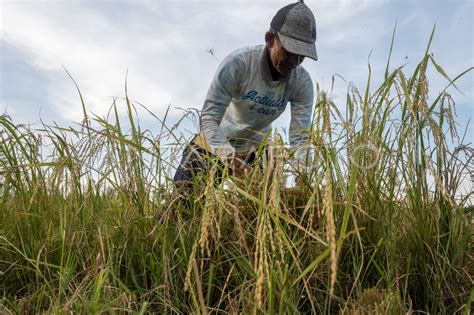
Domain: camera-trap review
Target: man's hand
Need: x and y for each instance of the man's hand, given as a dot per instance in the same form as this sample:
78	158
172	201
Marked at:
299	182
239	167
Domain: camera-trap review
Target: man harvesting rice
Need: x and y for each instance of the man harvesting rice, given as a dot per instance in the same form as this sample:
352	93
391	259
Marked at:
249	91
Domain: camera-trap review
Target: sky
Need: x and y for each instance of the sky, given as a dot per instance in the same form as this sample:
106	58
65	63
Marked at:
168	51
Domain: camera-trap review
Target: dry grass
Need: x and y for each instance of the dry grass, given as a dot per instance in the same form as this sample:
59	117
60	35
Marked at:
376	226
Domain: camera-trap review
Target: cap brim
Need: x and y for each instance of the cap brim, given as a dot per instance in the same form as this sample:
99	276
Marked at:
298	47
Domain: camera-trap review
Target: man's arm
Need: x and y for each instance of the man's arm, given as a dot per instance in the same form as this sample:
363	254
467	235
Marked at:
302	102
224	86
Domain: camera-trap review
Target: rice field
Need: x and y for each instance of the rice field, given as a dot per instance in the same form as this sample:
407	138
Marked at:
90	222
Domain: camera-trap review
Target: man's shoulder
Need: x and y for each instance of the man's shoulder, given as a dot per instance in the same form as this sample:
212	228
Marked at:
247	52
302	73
301	76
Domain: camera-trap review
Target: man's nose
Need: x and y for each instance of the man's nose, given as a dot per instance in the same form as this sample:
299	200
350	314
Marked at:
294	59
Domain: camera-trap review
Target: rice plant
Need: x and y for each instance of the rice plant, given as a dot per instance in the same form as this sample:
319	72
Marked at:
91	222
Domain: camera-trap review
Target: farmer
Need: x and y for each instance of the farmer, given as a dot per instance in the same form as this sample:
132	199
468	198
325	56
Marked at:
250	89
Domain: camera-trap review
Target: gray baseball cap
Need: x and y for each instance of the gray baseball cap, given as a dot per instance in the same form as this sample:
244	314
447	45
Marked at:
296	29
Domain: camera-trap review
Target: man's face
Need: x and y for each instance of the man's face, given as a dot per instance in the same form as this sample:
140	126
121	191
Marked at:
283	61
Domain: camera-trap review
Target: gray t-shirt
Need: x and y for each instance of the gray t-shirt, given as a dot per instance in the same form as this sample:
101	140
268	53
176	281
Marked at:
243	101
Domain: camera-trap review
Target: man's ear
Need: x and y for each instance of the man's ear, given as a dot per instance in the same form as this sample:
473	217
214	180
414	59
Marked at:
269	39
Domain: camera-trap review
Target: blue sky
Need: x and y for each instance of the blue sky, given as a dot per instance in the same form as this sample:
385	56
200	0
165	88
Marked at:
165	46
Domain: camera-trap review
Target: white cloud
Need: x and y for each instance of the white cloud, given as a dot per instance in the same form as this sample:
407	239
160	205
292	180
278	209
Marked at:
329	12
164	44
96	53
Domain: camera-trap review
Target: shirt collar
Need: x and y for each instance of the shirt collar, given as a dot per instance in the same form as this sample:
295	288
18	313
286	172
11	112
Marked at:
264	65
